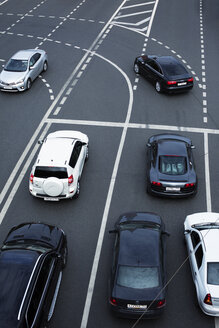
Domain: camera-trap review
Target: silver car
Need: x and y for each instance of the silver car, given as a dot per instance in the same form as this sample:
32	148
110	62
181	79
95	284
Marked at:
201	236
22	69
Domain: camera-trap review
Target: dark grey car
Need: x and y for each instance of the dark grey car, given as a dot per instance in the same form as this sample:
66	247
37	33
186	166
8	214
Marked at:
170	166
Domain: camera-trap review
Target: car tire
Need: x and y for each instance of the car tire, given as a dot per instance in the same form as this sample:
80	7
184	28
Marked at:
28	84
76	195
136	68
45	66
158	87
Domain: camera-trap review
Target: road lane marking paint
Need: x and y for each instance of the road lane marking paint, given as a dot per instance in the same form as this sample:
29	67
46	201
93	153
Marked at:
108	201
2	3
21	175
207	173
57	110
63	100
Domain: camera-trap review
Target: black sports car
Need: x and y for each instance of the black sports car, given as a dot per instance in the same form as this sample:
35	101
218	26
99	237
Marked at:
32	258
170	166
137	283
165	72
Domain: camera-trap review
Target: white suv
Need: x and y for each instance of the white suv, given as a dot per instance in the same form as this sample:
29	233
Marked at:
58	167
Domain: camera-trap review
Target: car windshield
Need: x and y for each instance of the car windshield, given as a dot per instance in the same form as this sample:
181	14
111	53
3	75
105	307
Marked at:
48	172
204	226
139	225
172	165
33	246
173	69
16	65
16	267
138	277
213	273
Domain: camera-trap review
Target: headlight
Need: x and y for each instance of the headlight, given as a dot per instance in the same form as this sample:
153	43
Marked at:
20	81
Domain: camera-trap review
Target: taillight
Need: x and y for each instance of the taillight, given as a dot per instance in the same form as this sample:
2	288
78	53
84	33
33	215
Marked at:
189	185
207	299
161	303
155	183
31	178
190	79
70	179
171	82
113	301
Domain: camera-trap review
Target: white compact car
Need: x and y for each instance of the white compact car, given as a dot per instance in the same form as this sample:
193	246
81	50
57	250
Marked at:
202	240
58	167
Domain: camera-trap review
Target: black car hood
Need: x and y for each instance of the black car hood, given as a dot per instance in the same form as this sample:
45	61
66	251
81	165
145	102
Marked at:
40	232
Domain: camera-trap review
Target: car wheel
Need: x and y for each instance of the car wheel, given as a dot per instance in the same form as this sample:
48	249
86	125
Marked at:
45	66
136	68
76	195
158	87
28	85
87	154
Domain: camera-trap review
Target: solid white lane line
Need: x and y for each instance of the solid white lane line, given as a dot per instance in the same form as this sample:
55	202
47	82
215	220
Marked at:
108	202
139	4
152	18
3	2
21	175
207	173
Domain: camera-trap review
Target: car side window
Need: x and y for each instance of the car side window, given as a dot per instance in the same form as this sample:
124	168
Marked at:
75	154
154	66
36	57
38	290
195	239
199	256
32	61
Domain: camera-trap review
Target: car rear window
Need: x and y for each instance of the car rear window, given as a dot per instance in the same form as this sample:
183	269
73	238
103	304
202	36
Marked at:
48	172
173	69
16	267
138	277
213	273
172	165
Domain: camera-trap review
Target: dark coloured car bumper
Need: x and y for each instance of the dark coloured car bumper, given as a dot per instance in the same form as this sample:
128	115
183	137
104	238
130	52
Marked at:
161	191
135	314
178	88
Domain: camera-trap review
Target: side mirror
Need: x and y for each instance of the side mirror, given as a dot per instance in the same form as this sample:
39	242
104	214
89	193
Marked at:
166	233
3	66
40	142
192	147
30	68
187	231
113	231
148	144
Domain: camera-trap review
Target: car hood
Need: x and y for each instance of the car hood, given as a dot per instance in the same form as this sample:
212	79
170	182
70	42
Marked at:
10	77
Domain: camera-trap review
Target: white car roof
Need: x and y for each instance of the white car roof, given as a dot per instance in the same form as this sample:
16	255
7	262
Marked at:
211	241
57	147
26	54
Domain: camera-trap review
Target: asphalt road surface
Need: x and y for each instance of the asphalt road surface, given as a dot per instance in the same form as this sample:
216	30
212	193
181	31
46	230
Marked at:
90	86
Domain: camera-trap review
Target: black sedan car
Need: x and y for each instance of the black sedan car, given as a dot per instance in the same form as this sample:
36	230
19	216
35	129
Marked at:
32	258
165	72
170	166
137	283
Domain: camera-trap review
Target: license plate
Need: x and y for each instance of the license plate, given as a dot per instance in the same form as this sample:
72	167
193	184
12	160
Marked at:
172	189
182	83
136	306
52	199
8	88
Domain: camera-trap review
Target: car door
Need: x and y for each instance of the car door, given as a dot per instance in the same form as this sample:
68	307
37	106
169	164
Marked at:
195	255
43	291
155	72
80	149
38	63
32	71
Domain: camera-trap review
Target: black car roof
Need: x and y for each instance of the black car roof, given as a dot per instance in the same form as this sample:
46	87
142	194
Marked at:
139	247
16	267
41	232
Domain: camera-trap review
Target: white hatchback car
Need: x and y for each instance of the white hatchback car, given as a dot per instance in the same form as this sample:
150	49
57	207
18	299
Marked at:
58	167
202	240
